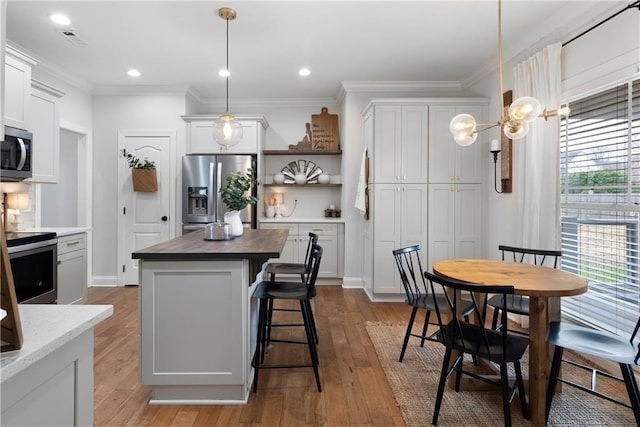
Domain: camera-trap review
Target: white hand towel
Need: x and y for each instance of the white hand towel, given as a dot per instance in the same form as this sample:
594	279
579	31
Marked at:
362	185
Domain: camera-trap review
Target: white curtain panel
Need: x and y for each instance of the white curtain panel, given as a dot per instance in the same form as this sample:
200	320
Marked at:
536	157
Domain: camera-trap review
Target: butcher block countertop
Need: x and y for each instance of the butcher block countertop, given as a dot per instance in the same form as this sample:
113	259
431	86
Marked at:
253	244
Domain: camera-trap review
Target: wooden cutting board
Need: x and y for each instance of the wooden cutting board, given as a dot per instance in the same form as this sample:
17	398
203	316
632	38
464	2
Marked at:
324	131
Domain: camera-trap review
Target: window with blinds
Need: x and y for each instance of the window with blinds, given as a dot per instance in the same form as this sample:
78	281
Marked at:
600	206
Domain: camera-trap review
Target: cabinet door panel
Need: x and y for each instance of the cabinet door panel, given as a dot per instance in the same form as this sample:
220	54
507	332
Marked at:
201	138
468	160
468	221
17	87
441	151
441	222
387	148
415	146
414	215
46	137
72	275
329	262
387	230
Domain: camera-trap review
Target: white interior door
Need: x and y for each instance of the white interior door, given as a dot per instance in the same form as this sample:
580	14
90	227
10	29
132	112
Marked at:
146	216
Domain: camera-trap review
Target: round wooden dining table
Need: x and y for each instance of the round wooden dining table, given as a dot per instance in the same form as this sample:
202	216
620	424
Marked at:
542	285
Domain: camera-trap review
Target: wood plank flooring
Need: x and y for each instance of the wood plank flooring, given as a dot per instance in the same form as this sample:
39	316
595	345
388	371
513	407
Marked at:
355	389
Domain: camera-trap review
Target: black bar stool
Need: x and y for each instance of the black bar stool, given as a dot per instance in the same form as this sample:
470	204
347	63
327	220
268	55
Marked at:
266	292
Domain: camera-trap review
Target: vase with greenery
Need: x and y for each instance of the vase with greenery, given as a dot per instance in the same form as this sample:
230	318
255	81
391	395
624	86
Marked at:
236	197
143	173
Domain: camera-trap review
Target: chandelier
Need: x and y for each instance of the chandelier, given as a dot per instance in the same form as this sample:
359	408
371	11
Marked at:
514	121
227	131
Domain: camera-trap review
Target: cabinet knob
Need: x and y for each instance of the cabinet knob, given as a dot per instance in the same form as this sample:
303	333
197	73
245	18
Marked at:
164	218
398	189
404	177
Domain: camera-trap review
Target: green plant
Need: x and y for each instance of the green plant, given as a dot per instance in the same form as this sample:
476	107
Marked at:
233	194
136	163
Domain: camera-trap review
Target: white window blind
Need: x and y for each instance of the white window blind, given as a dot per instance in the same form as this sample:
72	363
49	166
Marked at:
600	205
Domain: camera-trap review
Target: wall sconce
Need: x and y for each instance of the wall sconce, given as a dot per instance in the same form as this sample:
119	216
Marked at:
495	149
278	199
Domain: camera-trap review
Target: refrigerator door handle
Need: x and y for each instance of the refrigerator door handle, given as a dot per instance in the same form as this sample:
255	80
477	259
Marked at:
219	181
212	197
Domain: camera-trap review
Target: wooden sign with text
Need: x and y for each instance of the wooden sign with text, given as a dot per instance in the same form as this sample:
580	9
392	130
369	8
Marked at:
324	131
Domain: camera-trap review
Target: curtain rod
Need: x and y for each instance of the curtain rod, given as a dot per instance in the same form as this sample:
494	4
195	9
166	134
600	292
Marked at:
633	5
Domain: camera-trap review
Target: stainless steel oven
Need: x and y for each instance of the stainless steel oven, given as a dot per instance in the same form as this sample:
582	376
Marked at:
33	258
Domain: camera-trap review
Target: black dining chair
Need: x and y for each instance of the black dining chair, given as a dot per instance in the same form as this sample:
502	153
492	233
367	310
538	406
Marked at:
287	268
302	292
419	295
605	345
519	304
461	337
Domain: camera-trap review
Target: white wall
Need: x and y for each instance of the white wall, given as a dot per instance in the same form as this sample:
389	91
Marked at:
60	201
111	114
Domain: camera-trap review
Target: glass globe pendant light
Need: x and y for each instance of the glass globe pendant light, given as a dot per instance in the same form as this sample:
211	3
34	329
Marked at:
515	122
227	131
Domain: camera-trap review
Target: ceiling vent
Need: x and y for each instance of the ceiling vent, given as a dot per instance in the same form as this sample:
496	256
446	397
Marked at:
72	37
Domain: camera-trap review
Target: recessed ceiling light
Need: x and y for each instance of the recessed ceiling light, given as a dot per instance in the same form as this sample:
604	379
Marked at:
60	19
224	73
304	72
134	73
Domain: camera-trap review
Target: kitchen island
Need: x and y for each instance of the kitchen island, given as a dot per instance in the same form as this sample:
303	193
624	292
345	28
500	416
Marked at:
49	381
197	317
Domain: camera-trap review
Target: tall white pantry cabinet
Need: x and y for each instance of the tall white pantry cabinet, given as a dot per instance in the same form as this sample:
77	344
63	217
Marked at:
423	188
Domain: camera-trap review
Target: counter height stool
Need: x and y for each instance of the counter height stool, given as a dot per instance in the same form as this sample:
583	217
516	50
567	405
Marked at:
266	292
298	269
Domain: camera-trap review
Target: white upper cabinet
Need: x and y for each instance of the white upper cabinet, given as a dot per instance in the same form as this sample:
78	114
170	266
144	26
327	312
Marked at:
17	88
449	162
200	135
45	126
397	140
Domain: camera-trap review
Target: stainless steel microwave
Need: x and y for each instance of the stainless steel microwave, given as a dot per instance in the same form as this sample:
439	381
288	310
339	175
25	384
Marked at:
16	152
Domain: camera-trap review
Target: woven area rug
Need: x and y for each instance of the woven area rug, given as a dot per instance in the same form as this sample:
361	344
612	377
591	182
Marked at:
415	381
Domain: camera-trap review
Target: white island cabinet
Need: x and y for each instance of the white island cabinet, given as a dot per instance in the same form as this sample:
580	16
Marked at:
49	381
198	319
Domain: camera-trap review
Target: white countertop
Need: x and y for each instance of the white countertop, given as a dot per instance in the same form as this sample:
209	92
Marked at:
60	231
47	327
297	219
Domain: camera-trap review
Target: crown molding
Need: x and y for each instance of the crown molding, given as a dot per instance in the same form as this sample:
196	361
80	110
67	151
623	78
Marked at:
144	90
46	88
397	86
245	103
20	53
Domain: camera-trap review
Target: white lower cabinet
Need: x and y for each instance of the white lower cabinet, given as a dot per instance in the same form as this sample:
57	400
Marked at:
454	221
399	220
72	268
330	237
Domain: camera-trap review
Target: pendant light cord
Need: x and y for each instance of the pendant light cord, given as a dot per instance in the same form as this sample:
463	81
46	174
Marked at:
502	115
227	109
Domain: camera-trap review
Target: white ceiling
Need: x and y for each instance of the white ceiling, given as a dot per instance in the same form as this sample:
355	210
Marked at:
182	43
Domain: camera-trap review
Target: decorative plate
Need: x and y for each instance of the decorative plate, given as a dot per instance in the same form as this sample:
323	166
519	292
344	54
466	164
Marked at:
305	167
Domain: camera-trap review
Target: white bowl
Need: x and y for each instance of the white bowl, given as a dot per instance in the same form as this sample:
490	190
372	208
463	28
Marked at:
278	178
301	178
324	179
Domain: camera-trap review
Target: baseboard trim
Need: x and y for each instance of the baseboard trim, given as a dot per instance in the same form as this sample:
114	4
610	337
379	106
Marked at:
352	283
104	281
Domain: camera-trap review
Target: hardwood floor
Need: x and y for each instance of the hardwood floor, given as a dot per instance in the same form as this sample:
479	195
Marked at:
355	389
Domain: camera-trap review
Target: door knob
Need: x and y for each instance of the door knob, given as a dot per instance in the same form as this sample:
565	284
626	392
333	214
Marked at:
164	218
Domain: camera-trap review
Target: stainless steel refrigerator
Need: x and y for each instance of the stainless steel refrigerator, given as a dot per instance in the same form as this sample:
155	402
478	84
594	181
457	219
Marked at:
202	178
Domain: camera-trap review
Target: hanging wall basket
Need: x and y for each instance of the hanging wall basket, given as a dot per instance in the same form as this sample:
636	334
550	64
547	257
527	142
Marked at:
144	180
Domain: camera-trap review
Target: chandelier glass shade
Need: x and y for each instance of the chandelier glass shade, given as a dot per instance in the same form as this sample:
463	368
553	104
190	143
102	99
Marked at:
514	122
227	131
